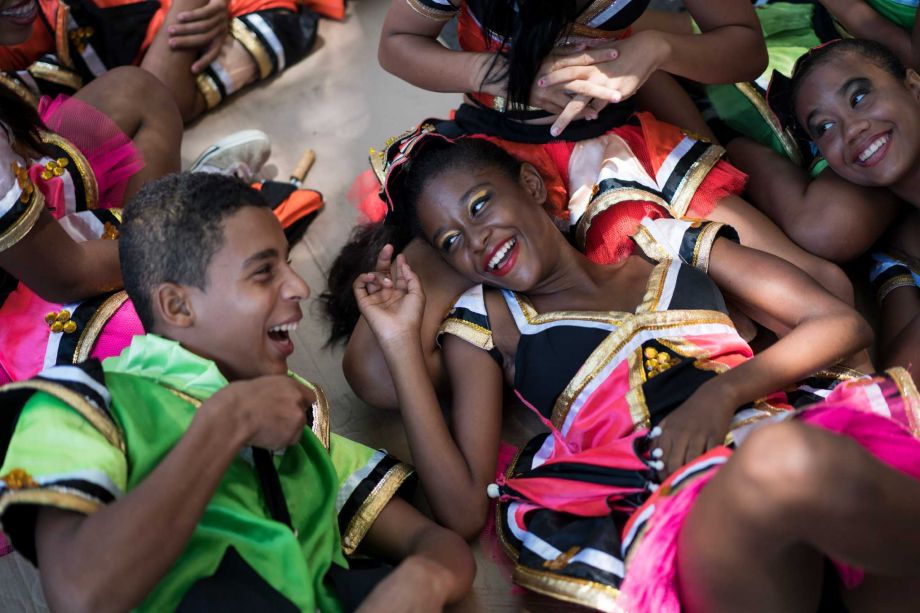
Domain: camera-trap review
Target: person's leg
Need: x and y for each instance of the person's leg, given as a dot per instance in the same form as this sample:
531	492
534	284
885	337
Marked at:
792	495
144	110
899	338
825	215
173	67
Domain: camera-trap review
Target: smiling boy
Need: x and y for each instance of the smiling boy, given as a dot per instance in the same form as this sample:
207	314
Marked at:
148	482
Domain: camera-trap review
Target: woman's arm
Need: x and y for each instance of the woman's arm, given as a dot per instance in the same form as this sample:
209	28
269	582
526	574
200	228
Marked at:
455	464
862	21
60	269
409	49
823	331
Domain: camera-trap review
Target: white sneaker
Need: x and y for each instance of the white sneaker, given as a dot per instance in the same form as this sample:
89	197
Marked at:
241	154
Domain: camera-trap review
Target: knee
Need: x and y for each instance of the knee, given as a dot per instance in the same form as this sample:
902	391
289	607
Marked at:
833	279
779	469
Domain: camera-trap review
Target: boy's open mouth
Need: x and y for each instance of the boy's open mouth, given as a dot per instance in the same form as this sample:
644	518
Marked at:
281	336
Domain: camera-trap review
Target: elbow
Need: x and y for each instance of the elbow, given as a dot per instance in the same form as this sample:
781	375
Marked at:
72	596
385	53
863	332
471	520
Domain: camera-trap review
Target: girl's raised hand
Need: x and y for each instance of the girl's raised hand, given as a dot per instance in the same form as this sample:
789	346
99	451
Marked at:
392	301
629	65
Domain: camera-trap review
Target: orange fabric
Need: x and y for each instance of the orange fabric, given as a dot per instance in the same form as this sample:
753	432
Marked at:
295	207
333	9
20	57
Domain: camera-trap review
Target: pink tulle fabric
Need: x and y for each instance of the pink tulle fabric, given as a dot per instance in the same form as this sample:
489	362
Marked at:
110	153
651	585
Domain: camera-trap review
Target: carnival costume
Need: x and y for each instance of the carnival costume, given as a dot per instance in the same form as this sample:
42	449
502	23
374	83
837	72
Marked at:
257	545
580	508
81	181
683	173
75	41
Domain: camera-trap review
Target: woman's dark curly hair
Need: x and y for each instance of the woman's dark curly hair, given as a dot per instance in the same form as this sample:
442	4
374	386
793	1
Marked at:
21	121
401	224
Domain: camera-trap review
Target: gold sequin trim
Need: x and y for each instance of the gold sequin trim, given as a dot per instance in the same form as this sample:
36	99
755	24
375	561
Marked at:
85	172
431	13
253	45
892	284
703	245
655	287
570	589
367	514
649	245
96	417
635	397
320	411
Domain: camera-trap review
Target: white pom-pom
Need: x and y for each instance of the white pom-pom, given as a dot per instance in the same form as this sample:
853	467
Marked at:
492	490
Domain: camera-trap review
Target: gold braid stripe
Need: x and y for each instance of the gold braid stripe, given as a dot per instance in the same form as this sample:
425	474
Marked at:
320	413
26	222
909	394
367	514
85	171
61	35
892	284
96	417
94	326
468	331
703	245
431	13
253	45
570	589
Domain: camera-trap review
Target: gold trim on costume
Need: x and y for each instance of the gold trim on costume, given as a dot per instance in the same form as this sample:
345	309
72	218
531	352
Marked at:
367	514
892	284
253	45
468	331
431	13
208	90
608	199
655	286
90	187
691	181
703	246
580	29
535	318
911	396
616	340
649	244
71	500
19	89
61	35
750	92
635	397
94	326
320	425
591	11
47	71
510	550
96	417
570	589
25	223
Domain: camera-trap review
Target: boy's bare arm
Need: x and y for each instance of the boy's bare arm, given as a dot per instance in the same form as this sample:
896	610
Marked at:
136	539
435	567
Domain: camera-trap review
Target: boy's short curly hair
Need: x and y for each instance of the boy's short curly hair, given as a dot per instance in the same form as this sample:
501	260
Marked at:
172	229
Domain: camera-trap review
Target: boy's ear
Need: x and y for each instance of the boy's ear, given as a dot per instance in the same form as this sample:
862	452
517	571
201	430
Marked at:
533	183
172	305
912	81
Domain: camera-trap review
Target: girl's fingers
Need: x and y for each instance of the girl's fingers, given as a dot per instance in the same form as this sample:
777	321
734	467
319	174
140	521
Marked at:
594	90
384	259
584	58
571	111
208	56
208	10
196	27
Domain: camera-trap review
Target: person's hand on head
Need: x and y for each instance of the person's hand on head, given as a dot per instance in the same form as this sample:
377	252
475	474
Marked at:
391	298
615	72
272	410
203	29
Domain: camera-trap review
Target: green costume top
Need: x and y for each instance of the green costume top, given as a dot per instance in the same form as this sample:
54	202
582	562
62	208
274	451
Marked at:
78	437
